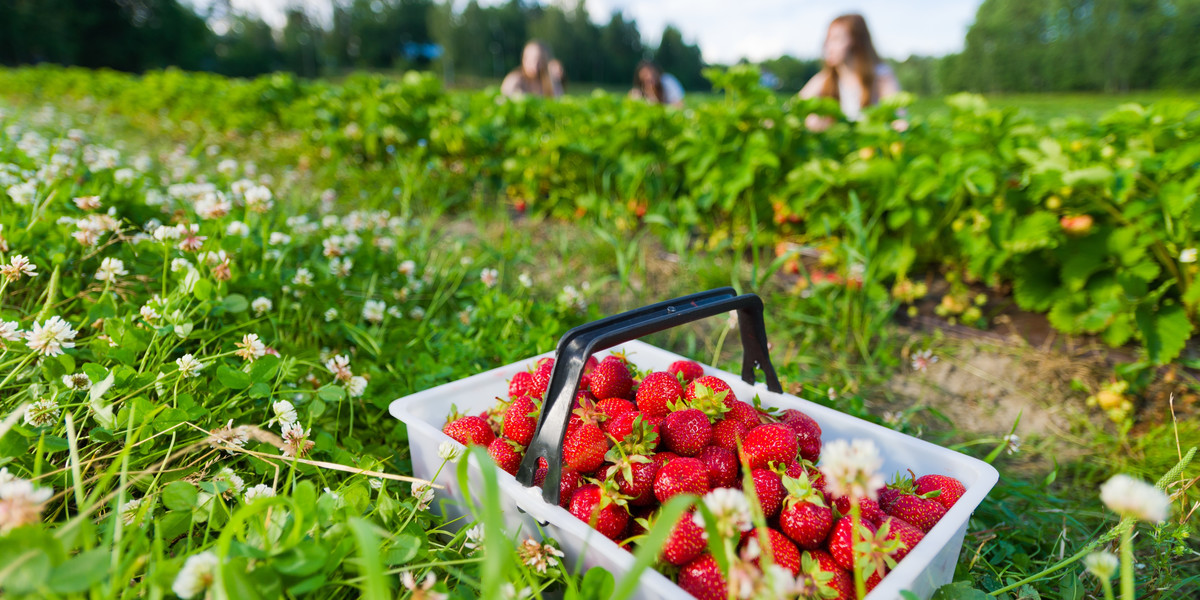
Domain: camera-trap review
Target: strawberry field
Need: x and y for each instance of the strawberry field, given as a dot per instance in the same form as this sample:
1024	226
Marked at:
212	289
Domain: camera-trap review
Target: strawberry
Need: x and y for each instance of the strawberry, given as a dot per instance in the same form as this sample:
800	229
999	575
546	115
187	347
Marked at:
770	491
951	489
868	509
600	509
922	513
520	420
634	477
803	467
805	517
584	450
769	443
614	407
664	457
686	371
729	433
898	529
821	577
702	579
722	466
685	542
808	433
520	385
507	454
783	551
590	365
744	412
540	379
681	476
839	540
708	385
568	482
686	432
657	392
622	425
470	431
610	379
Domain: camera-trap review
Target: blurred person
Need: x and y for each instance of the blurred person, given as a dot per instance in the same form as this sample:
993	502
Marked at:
536	76
654	86
853	74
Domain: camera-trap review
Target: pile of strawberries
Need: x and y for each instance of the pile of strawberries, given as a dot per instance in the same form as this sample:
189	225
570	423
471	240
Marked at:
636	439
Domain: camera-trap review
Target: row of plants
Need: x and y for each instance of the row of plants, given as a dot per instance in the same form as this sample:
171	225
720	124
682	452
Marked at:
1090	223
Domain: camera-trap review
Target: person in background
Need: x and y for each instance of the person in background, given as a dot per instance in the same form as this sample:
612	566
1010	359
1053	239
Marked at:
853	74
535	76
654	86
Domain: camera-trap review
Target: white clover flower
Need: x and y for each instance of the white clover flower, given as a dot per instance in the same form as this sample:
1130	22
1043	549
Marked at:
1102	564
166	233
407	268
188	366
21	502
261	305
1131	497
278	238
356	386
237	229
1188	255
226	475
376	483
508	591
196	576
489	277
423	590
339	365
181	264
50	337
43	413
525	280
87	202
10	331
417	313
450	451
1014	443
466	261
128	511
18	266
922	359
537	556
23	193
227	167
303	277
852	469
331	314
259	199
284	412
374	310
261	490
79	382
474	538
251	348
730	509
124	176
423	492
110	269
341	267
149	314
295	440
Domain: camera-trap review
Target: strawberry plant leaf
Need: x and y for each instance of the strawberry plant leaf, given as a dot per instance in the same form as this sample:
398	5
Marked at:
1164	332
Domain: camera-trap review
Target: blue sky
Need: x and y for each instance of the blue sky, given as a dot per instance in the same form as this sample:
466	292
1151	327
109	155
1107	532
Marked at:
757	29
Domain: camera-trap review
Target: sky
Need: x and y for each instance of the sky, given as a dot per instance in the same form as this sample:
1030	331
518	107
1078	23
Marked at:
728	30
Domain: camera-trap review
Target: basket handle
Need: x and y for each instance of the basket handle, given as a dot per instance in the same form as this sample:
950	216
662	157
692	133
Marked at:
581	342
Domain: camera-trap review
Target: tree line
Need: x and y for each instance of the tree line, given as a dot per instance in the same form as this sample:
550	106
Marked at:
1013	45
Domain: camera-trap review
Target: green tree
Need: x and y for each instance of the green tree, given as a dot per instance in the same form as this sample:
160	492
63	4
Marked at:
680	59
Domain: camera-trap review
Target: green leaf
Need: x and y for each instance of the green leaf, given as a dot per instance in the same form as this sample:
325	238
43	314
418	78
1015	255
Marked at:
1033	232
232	378
235	303
404	548
331	393
263	369
179	495
959	590
1097	174
259	390
597	584
301	560
1164	332
237	583
26	571
81	571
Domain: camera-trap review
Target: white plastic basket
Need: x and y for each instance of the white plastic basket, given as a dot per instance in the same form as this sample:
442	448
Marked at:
928	566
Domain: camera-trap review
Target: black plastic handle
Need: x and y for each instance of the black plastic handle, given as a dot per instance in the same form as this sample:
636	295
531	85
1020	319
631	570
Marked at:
581	342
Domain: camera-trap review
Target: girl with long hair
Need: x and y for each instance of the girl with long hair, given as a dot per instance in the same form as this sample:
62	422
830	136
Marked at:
853	73
654	86
538	75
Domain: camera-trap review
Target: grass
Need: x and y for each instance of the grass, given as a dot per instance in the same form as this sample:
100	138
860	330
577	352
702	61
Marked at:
330	533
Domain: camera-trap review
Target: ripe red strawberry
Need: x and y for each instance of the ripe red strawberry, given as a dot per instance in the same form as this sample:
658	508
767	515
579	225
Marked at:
584	450
744	412
686	371
820	571
783	551
507	454
868	509
702	579
769	488
600	510
520	384
805	517
728	433
611	380
769	443
621	425
685	542
664	457
470	431
634	479
520	420
722	466
808	433
614	407
681	476
951	489
657	392
898	529
922	513
590	365
839	540
686	432
568	482
713	385
541	378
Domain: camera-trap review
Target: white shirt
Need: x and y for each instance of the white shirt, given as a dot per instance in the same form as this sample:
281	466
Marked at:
672	89
850	95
